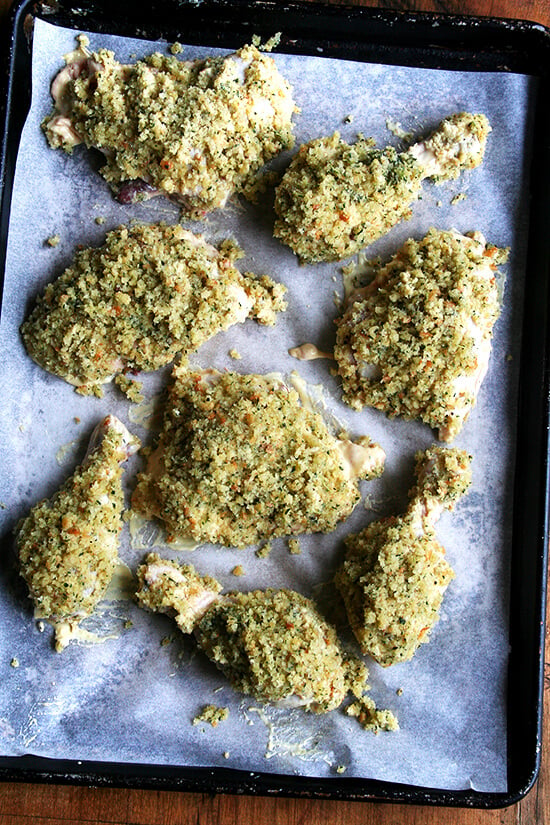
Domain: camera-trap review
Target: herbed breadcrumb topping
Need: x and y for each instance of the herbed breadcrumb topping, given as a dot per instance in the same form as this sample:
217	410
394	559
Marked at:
149	293
130	388
273	644
195	130
413	343
393	582
240	459
68	544
212	714
467	133
395	573
442	475
370	717
337	198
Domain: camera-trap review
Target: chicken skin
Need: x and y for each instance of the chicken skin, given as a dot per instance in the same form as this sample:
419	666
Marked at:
335	198
149	293
273	644
195	131
240	459
395	573
68	544
416	341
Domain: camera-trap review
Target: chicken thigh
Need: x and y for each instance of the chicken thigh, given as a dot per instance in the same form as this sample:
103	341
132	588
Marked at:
416	341
273	644
335	198
149	293
395	573
195	131
240	459
68	544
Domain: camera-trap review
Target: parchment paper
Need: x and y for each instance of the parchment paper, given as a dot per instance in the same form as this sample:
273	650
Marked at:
132	697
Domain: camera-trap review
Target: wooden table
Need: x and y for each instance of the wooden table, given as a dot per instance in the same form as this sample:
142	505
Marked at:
53	804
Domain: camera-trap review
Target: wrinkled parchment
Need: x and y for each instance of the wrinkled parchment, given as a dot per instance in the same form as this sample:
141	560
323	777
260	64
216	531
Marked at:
132	697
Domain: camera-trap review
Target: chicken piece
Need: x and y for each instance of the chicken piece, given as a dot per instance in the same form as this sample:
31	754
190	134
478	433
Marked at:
416	341
395	573
335	198
68	544
149	293
239	459
195	131
273	644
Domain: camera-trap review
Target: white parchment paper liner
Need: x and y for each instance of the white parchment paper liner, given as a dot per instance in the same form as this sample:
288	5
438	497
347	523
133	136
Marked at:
131	698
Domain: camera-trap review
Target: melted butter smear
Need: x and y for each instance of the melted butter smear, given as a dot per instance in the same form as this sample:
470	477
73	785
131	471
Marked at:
145	414
66	451
120	588
146	534
286	740
66	632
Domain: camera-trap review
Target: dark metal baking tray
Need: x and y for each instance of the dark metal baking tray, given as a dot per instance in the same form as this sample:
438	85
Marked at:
423	40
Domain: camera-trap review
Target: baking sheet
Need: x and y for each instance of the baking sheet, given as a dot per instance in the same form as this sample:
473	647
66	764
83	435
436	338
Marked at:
132	698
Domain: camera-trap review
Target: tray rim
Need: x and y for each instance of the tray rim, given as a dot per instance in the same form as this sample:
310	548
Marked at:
459	39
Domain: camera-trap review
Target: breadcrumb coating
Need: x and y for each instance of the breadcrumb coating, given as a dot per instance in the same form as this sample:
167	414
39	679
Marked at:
336	198
395	573
177	590
370	717
211	714
196	130
273	644
149	293
68	544
240	459
393	581
416	341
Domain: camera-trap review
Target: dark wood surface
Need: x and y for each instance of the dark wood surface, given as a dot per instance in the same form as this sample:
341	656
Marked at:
68	805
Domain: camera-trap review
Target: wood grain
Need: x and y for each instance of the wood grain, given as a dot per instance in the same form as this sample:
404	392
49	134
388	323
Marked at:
66	805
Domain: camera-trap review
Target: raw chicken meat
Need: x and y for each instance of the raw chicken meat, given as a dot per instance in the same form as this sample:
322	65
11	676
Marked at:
149	293
68	544
195	131
415	342
241	459
335	198
273	644
395	573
